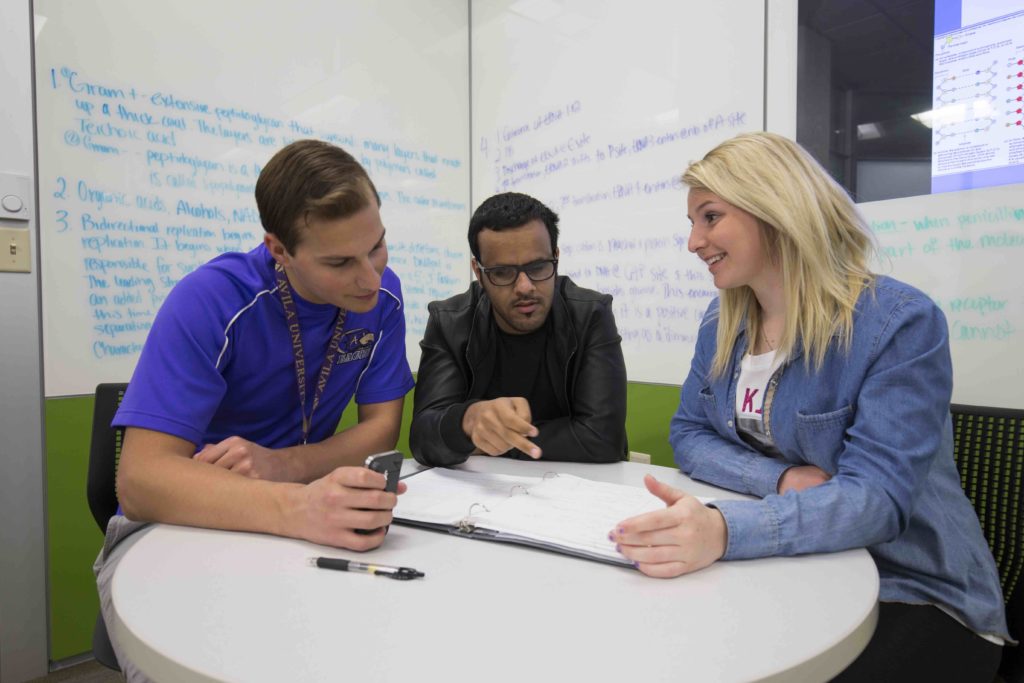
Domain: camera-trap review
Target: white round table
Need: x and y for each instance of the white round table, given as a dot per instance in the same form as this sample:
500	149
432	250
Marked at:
204	605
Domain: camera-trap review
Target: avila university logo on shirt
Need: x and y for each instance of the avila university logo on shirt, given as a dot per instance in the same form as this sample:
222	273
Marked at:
355	345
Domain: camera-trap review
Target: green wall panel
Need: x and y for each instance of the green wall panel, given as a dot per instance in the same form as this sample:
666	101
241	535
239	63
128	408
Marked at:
74	539
649	408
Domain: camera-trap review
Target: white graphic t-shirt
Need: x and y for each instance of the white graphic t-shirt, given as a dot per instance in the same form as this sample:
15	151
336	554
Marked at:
755	374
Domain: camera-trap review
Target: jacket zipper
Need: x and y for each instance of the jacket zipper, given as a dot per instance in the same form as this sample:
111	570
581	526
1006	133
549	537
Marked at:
766	406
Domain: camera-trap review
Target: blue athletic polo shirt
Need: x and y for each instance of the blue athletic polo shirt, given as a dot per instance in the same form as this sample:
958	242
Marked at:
219	361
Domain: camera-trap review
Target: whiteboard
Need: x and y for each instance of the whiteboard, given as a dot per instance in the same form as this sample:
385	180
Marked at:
595	107
966	251
153	121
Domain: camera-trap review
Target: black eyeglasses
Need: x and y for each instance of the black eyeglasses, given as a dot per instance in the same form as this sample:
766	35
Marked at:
537	271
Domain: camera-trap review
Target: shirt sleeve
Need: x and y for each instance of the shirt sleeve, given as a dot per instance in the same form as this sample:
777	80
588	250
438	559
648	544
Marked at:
435	435
177	387
387	376
595	429
697	444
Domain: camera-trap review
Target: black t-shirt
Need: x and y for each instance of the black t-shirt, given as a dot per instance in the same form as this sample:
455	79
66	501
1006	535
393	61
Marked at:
519	370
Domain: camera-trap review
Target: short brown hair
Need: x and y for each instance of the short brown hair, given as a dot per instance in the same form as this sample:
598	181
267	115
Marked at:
310	179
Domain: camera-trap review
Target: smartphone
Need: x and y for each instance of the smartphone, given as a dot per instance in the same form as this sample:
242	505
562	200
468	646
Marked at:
390	465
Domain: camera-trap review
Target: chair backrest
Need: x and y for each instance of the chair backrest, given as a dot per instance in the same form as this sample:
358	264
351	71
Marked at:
989	452
988	444
104	453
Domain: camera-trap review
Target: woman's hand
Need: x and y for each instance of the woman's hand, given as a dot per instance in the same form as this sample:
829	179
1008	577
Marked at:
684	537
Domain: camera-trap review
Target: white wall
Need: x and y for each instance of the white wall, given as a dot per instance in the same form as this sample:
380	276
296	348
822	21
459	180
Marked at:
602	139
403	110
780	67
888	178
23	608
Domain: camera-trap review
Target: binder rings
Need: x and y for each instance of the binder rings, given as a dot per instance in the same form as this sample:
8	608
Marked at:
557	512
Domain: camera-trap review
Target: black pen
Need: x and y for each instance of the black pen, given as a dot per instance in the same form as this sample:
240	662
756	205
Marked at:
400	573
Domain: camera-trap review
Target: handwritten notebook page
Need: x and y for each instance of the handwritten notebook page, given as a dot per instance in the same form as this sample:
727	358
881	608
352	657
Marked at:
440	496
563	511
571	512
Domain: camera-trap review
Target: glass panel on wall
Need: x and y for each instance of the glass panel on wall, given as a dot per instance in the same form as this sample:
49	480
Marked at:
909	97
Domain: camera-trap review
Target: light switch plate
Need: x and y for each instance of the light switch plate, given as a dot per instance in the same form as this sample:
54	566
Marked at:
15	197
15	256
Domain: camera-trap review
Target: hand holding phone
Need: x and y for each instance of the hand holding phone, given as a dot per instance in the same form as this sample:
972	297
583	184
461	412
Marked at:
390	465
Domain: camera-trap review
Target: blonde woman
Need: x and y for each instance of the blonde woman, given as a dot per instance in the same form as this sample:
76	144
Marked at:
823	390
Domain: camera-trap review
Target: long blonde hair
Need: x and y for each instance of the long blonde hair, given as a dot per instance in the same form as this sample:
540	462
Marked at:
810	226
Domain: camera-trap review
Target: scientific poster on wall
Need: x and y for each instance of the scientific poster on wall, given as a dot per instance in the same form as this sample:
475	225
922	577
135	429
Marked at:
977	113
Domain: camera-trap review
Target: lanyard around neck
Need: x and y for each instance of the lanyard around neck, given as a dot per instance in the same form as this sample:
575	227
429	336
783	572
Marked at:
291	316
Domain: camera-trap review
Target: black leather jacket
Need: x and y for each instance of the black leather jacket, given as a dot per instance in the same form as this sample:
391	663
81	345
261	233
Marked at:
584	363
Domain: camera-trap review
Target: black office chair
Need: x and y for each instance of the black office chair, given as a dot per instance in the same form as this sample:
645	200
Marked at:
101	490
989	452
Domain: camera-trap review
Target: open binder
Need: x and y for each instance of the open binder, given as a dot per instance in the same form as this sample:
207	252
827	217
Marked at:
558	512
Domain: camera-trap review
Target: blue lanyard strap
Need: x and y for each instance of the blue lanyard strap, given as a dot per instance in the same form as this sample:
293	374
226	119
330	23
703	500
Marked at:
291	315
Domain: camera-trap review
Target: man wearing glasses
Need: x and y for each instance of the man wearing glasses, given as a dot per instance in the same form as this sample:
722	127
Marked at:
525	363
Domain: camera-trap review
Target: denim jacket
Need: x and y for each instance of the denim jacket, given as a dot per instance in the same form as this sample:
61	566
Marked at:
875	418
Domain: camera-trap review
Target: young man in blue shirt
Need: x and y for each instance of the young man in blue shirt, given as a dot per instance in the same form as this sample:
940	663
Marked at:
231	413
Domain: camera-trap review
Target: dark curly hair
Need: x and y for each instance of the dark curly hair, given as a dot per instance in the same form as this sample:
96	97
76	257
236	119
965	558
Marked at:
510	210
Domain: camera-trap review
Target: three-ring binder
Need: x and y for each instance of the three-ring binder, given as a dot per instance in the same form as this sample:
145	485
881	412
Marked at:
560	513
